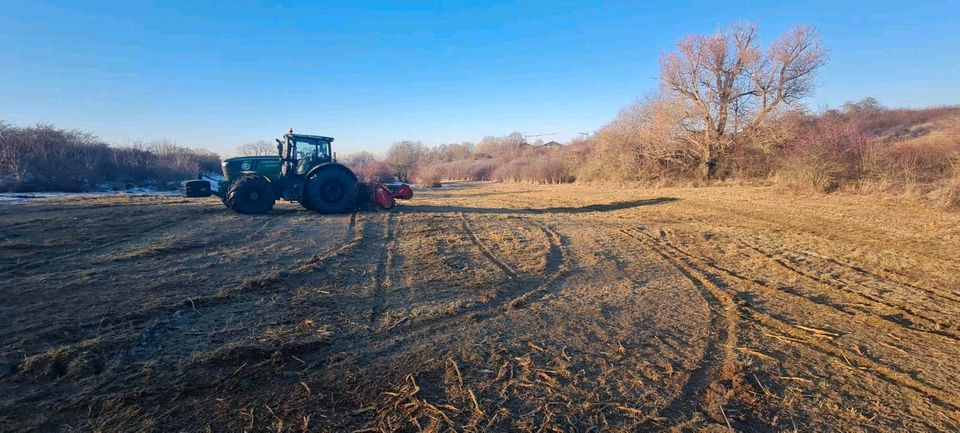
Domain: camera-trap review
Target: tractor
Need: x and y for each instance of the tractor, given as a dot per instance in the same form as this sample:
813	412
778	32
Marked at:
305	171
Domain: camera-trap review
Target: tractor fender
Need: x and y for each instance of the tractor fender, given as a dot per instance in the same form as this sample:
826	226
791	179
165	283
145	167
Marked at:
331	166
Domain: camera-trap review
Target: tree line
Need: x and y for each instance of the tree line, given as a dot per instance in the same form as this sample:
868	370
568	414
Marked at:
46	158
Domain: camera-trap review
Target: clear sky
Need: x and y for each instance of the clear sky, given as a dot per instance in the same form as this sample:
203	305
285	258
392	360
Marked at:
218	74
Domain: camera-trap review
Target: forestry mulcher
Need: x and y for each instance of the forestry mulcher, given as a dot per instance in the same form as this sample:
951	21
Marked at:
305	171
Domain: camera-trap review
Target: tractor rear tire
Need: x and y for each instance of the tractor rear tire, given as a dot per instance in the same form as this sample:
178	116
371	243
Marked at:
250	194
332	190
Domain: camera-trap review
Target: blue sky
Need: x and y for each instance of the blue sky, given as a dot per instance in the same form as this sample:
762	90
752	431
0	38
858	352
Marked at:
218	74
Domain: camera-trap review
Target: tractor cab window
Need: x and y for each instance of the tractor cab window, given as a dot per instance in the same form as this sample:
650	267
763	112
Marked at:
309	153
312	149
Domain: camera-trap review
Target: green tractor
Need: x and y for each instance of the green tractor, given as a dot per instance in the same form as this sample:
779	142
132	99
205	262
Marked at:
305	171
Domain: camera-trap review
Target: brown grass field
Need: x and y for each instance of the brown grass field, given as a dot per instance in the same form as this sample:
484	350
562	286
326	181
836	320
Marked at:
483	307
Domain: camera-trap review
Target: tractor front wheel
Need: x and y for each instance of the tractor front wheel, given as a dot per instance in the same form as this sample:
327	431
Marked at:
250	194
331	190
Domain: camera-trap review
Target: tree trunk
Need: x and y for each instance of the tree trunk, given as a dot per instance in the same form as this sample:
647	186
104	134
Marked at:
708	162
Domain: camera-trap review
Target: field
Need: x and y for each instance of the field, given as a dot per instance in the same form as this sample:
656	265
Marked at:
483	307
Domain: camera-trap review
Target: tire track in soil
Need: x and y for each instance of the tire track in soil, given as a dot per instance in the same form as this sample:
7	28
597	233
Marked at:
257	283
103	205
472	235
24	266
719	359
913	316
301	270
382	276
847	287
887	275
818	230
246	291
97	261
398	335
262	226
312	263
948	296
773	290
557	263
859	362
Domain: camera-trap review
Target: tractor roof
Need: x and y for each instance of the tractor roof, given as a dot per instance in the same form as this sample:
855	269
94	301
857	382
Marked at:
314	137
250	157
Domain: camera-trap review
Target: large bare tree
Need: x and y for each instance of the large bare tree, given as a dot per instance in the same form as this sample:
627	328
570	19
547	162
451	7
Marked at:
734	86
404	157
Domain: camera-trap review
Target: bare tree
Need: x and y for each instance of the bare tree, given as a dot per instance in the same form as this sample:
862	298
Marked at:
734	87
453	151
865	105
360	159
257	148
23	150
508	146
404	158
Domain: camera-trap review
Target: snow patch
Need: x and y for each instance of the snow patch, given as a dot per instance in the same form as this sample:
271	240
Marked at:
22	197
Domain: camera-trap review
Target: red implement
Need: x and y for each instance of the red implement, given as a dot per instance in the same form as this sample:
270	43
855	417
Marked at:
384	198
403	192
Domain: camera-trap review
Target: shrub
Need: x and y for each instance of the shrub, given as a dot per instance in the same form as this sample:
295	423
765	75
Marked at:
373	171
465	170
429	177
816	172
827	151
950	197
43	157
544	168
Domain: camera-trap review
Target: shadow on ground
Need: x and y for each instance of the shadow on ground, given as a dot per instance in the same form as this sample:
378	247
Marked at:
605	207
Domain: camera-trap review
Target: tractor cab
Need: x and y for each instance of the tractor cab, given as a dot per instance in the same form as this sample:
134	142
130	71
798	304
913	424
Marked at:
299	154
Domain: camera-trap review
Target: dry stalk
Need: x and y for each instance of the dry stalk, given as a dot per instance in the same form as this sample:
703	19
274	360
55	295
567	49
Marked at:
755	353
456	369
818	332
894	348
725	417
306	423
765	390
783	338
476	404
796	379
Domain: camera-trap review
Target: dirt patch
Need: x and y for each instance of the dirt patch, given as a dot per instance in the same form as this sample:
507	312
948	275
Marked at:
483	308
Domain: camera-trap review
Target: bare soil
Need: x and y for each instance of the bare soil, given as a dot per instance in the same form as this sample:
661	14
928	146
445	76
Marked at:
483	307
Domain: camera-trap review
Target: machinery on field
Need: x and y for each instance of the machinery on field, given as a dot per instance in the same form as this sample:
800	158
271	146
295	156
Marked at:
305	170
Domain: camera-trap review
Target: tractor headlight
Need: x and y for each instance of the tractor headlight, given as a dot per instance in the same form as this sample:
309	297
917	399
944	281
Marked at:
245	166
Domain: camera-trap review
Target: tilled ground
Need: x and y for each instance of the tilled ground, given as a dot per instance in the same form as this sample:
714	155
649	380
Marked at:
481	307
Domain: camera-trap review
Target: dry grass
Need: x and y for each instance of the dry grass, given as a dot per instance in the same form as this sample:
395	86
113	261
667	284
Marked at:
949	195
484	307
